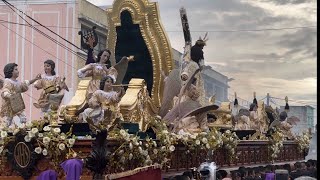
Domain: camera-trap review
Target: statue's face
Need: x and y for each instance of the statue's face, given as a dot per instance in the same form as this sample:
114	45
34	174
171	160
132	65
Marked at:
104	57
47	68
15	72
107	85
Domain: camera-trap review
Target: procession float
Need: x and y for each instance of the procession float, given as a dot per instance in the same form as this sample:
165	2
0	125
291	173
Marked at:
135	113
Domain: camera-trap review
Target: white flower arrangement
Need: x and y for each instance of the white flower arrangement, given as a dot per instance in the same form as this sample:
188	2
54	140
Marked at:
303	141
50	141
276	141
230	143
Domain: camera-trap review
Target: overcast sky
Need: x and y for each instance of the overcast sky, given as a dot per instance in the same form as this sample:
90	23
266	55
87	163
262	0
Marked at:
281	62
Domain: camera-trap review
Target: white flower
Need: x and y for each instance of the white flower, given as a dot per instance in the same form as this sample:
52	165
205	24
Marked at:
45	152
122	133
4	134
40	135
15	131
154	143
130	146
193	136
172	148
203	133
56	130
34	130
1	149
123	159
228	131
140	143
155	151
62	146
121	152
62	137
31	134
145	153
38	150
46	140
27	138
130	156
208	146
165	132
197	142
71	141
140	150
29	124
205	140
46	128
163	148
147	145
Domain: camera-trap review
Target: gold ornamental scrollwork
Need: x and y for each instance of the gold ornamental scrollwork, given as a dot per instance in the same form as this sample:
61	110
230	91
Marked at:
146	14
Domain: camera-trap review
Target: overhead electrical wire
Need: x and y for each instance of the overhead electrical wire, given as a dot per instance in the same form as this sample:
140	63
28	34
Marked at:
42	33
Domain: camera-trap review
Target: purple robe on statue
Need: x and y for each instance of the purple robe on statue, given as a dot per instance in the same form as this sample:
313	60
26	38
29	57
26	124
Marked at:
72	168
48	175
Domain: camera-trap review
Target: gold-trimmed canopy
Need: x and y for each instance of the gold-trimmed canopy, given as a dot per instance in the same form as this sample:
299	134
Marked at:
145	14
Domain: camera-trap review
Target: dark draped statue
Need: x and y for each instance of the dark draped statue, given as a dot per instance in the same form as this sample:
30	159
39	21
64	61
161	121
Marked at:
130	42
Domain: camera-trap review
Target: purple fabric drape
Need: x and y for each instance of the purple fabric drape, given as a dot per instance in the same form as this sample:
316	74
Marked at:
269	176
48	175
72	168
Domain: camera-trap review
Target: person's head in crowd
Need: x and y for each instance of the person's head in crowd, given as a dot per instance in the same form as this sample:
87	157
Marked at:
235	175
257	172
188	173
181	177
303	166
287	167
218	175
269	168
297	165
223	173
250	172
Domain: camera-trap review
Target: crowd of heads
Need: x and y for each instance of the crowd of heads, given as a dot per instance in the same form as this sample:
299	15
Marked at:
268	172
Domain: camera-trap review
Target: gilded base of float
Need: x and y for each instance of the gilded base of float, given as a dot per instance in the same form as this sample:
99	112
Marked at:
248	153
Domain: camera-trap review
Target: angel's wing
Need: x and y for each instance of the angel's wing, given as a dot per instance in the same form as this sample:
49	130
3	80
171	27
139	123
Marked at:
121	68
293	120
172	86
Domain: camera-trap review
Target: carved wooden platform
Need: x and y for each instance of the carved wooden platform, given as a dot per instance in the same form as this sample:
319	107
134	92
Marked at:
248	153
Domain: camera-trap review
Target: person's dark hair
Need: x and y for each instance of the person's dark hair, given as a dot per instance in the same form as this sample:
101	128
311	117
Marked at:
287	167
181	177
218	175
100	54
52	64
103	81
283	116
297	165
235	174
223	173
252	106
8	69
250	172
188	173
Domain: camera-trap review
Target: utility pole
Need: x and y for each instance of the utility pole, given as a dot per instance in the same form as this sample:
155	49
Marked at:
268	99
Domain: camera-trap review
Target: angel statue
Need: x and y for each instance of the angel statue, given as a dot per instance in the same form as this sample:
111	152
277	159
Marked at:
51	85
103	101
12	102
101	68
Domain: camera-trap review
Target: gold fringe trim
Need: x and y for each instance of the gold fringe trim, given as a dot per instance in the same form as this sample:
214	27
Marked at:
131	172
